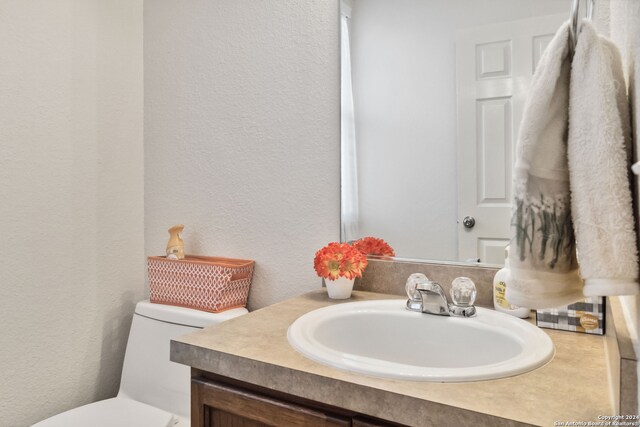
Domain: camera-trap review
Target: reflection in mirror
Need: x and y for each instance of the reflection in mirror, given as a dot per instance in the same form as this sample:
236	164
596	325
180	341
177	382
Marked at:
432	94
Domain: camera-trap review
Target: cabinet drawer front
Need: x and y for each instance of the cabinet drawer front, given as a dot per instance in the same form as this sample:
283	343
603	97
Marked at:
218	402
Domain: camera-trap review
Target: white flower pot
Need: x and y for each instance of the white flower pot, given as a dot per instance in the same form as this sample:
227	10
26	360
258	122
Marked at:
340	288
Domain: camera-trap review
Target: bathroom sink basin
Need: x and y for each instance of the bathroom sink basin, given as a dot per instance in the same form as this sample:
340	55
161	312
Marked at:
384	339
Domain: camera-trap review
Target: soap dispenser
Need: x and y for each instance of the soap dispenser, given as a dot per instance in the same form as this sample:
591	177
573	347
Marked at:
175	247
501	280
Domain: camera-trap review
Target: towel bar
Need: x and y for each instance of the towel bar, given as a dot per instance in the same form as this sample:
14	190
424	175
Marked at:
573	28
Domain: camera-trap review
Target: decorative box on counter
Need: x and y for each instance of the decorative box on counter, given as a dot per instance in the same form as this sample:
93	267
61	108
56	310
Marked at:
587	315
211	284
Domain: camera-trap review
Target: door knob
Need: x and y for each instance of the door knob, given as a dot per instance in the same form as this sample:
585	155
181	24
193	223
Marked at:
469	221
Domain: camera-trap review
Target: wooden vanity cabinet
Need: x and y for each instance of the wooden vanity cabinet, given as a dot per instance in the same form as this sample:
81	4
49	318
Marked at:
224	402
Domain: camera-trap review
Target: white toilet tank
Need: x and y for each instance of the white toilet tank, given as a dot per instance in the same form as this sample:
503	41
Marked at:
148	375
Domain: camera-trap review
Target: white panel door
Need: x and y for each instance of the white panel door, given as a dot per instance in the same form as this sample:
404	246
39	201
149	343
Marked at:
494	66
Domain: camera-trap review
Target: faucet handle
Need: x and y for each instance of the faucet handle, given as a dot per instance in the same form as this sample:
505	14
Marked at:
412	283
463	292
414	302
463	295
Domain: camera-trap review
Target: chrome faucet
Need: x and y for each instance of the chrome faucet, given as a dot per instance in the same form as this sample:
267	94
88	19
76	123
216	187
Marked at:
428	297
433	299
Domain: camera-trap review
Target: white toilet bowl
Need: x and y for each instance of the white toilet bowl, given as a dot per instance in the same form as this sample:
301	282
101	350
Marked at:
154	392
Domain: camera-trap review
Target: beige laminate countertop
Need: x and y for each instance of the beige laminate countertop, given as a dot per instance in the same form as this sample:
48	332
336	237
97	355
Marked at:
254	349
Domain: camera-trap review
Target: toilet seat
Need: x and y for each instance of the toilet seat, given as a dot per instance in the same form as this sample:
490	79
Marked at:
117	411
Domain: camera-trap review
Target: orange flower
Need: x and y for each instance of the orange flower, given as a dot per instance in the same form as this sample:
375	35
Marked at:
339	259
374	246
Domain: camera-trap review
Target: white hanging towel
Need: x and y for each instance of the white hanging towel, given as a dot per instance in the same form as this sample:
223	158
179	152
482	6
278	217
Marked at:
599	149
542	258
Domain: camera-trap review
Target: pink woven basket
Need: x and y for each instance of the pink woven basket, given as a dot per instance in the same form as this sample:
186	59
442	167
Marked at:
205	283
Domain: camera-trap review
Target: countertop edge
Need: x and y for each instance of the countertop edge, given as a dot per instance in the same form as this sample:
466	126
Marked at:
388	405
623	360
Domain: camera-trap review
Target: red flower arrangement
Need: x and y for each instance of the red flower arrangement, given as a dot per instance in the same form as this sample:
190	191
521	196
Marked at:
349	261
374	246
339	260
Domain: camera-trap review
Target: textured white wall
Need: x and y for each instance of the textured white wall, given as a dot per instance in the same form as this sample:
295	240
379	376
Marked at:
242	134
403	56
71	197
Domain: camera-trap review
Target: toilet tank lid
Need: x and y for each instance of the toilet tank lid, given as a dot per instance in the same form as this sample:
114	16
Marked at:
185	316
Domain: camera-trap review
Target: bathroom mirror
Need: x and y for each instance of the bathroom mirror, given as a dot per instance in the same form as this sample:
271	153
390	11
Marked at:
432	95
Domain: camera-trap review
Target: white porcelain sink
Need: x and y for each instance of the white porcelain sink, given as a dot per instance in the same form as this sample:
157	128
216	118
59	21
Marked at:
384	339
